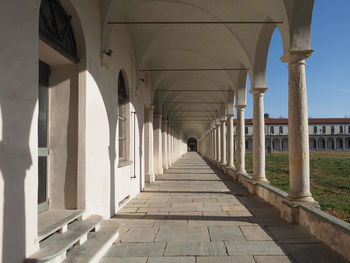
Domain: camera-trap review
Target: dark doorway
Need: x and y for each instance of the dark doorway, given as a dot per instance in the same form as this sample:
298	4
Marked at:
192	144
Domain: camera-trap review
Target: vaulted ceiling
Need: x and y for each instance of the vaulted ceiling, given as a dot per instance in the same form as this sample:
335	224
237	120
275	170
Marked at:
199	52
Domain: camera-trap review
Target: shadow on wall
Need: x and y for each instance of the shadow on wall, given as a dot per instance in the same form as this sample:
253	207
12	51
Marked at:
15	160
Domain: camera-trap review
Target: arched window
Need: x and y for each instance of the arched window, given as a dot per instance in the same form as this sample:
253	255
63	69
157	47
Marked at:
341	129
281	129
246	130
272	130
315	129
122	117
332	129
323	129
56	30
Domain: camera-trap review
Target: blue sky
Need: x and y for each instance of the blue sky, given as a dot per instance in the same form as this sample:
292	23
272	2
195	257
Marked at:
327	70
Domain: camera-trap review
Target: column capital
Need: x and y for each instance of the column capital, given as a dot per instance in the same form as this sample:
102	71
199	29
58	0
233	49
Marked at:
223	121
257	90
240	106
295	56
230	115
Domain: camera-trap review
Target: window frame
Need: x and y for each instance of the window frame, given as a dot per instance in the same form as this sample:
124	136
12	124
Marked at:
123	119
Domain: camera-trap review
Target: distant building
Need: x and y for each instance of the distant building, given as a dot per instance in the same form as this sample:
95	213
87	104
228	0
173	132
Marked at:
325	134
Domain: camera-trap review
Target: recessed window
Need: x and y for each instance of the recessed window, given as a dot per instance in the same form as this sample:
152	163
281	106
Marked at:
272	130
323	129
122	117
281	129
315	129
341	129
332	129
349	129
246	130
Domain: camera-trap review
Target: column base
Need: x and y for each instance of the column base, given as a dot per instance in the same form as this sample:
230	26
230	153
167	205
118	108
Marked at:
261	180
230	166
303	199
223	164
160	171
149	178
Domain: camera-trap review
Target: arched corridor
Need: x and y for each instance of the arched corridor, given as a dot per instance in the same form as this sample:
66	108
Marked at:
133	112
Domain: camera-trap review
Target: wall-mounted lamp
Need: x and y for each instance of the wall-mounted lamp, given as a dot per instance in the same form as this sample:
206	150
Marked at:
109	53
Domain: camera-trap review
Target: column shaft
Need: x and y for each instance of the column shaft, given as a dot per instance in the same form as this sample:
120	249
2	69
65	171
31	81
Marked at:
240	139
157	143
230	142
218	143
258	135
165	144
223	143
298	133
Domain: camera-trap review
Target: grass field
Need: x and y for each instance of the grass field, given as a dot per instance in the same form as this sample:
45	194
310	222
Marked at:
330	178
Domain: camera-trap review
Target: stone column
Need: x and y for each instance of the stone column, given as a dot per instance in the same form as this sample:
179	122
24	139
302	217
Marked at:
223	143
169	145
230	144
240	139
218	142
157	143
258	135
298	134
165	145
212	144
149	143
215	145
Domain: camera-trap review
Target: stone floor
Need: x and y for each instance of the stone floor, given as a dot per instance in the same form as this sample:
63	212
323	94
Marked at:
196	214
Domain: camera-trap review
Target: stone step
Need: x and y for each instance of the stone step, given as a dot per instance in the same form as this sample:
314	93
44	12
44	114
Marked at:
52	221
97	244
55	247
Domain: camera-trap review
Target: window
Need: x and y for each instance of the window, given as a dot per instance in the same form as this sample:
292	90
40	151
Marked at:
281	129
122	117
272	130
349	129
332	129
315	129
323	129
341	129
246	130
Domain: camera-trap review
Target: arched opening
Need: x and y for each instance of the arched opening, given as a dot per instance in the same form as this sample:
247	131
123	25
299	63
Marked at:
192	144
321	144
330	144
59	70
276	144
285	144
313	144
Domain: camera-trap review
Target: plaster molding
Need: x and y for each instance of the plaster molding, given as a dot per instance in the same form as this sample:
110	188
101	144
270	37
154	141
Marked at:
295	56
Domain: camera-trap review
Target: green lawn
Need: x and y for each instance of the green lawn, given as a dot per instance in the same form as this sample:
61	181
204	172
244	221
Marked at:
330	178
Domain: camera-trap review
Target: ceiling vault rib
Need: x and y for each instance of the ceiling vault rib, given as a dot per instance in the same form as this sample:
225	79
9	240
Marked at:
192	69
193	102
190	22
197	90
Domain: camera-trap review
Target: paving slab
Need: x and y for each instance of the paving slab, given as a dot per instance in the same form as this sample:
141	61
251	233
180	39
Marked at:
272	259
123	260
137	250
195	248
253	248
180	233
255	233
225	233
140	235
227	259
172	260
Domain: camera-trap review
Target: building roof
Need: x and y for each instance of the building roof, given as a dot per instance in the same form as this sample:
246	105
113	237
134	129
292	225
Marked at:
311	121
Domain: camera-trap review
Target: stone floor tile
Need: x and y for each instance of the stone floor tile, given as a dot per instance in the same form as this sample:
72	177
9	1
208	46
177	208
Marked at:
310	253
272	259
195	248
144	222
136	250
172	260
148	209
219	221
288	232
255	233
225	233
239	213
140	235
124	260
227	259
253	248
179	233
171	222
